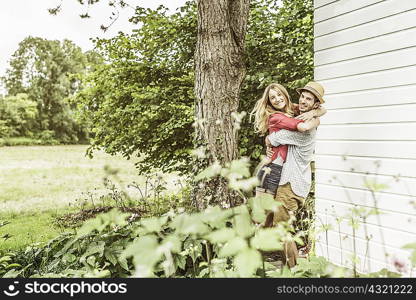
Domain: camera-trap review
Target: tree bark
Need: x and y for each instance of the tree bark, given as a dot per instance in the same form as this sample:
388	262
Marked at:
219	73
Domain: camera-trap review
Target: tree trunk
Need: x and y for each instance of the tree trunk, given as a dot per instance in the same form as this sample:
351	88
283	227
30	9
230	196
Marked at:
219	73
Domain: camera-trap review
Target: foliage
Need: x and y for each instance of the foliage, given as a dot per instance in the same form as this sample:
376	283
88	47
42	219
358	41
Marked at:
142	100
17	116
43	70
7	266
212	243
215	242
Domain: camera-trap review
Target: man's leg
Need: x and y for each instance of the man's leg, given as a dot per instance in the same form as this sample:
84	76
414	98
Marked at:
286	212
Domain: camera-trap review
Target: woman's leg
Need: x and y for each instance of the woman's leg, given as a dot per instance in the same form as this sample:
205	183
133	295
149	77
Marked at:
269	177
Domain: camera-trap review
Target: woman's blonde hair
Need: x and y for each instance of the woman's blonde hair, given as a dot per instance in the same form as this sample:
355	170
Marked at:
263	108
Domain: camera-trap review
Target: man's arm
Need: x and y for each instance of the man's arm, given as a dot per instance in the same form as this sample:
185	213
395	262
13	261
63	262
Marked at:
308	125
286	137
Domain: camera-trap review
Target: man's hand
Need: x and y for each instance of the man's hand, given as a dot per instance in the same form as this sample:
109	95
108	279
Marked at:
267	141
306	116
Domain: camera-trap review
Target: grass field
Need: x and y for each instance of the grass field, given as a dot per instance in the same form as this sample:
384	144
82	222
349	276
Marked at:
38	183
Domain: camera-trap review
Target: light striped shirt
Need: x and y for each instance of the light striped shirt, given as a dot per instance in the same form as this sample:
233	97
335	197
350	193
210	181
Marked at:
296	170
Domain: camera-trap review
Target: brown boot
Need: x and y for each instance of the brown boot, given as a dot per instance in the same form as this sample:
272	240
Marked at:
290	254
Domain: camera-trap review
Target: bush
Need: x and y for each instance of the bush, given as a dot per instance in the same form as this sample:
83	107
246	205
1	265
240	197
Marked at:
25	141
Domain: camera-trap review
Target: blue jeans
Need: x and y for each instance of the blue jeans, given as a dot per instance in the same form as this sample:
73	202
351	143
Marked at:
269	181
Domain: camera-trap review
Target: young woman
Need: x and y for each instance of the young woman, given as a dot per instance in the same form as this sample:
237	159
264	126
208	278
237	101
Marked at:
275	111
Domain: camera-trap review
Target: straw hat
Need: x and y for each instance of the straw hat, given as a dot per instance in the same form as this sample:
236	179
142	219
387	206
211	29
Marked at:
314	88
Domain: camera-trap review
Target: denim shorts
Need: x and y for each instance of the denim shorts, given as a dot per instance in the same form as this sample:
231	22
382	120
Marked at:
269	177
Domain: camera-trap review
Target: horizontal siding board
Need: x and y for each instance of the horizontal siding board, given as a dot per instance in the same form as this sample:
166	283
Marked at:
387	219
364	251
385	166
393	149
344	258
340	7
371	115
370	132
382	96
389	78
385	201
381	27
376	250
320	3
401	58
405	186
362	16
381	44
336	256
391	237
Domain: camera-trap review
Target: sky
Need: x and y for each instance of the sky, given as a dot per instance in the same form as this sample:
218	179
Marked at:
22	18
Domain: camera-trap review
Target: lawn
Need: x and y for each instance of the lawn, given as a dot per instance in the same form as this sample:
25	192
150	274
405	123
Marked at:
38	183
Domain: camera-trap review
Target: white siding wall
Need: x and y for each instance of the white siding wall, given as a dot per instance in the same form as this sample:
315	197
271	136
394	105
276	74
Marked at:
365	56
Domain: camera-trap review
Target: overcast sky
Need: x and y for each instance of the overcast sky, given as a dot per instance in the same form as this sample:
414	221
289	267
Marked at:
21	18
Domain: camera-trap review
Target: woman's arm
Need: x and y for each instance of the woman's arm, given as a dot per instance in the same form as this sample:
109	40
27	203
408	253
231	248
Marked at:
281	121
315	113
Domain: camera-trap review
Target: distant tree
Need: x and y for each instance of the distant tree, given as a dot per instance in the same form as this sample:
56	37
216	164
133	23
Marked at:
44	69
17	115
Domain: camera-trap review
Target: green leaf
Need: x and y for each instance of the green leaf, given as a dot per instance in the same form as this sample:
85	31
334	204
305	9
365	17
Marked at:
5	259
154	224
91	225
209	172
243	184
239	168
267	239
91	261
233	247
11	266
94	248
69	257
221	236
172	243
189	224
180	261
110	257
145	254
261	205
374	186
216	217
242	223
410	246
247	262
123	263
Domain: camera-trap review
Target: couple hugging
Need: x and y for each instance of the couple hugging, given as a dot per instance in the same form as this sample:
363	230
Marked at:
285	173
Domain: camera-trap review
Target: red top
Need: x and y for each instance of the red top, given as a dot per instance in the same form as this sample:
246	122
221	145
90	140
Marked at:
279	121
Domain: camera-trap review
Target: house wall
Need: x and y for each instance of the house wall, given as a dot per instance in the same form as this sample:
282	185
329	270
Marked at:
365	57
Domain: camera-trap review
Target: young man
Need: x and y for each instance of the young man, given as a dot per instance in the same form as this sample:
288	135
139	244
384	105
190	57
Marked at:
295	181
